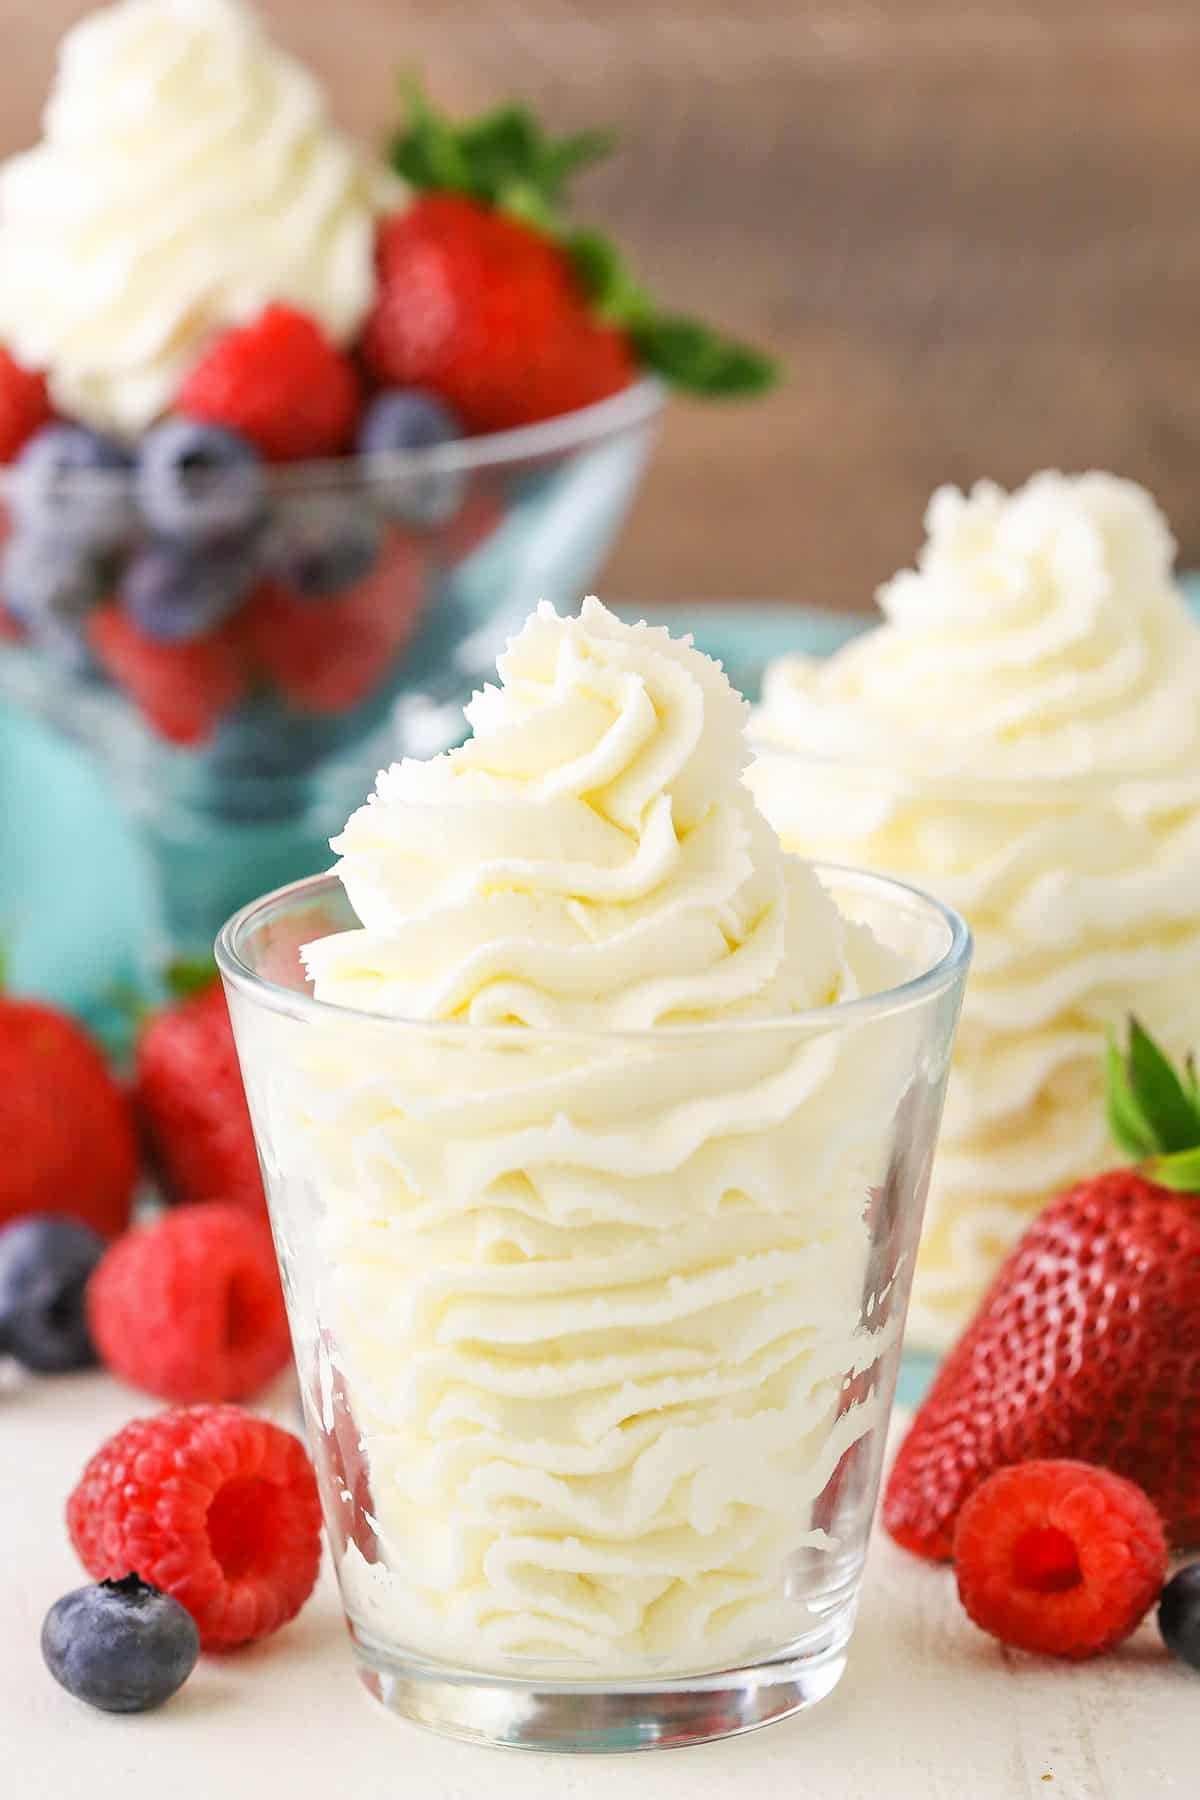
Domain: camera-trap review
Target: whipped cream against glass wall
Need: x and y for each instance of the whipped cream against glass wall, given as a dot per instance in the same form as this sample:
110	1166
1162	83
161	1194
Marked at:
589	1318
1022	737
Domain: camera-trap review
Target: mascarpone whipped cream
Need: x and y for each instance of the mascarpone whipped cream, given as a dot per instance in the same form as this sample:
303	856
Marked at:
593	1302
1022	736
188	174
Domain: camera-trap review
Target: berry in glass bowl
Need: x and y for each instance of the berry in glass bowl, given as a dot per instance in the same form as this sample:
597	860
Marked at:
268	513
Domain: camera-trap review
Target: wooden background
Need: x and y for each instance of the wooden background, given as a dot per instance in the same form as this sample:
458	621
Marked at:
970	229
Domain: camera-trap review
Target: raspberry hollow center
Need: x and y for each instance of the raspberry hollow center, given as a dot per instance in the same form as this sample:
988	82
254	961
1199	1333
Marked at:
1046	1560
243	1527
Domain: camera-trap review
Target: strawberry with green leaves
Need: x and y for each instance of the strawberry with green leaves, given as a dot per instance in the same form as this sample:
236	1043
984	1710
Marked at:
487	298
1087	1344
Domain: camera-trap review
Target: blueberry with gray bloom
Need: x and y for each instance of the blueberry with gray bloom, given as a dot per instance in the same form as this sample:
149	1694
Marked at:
45	1263
199	483
44	576
174	592
122	1646
403	420
323	544
73	482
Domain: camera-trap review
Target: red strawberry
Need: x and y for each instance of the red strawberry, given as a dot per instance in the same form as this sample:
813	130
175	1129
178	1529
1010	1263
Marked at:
327	656
487	297
192	1105
1087	1344
67	1142
281	383
486	312
183	689
24	405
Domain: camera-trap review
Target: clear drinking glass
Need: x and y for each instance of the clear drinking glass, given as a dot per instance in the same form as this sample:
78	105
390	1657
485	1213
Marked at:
597	1333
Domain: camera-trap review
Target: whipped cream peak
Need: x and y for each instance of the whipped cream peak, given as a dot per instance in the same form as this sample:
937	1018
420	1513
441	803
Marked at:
589	858
187	176
1040	635
1021	735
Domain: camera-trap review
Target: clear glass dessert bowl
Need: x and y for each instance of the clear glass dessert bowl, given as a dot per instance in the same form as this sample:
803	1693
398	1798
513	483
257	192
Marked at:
597	1332
1080	892
369	595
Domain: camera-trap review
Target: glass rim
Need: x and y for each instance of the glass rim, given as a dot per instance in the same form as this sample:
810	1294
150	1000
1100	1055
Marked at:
949	967
888	767
636	404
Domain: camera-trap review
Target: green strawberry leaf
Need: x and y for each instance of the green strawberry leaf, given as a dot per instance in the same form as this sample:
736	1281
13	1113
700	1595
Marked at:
427	151
1127	1123
189	975
505	159
1191	1081
1161	1095
691	356
1180	1172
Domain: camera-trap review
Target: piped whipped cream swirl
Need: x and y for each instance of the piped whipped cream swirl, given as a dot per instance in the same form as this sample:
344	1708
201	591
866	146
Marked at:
1021	735
591	1301
188	174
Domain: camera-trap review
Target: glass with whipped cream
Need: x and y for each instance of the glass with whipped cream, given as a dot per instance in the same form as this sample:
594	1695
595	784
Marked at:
596	1133
1021	736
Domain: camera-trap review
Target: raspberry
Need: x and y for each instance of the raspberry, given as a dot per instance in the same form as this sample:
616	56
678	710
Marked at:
183	690
24	405
190	1308
1060	1557
329	658
281	384
211	1505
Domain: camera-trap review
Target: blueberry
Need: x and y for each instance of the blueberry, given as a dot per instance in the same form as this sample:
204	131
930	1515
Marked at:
199	483
173	592
123	1646
1179	1615
263	742
43	575
396	423
324	544
68	480
45	1263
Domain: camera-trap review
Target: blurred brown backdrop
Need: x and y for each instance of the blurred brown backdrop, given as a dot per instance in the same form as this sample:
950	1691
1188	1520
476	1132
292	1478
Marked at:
971	230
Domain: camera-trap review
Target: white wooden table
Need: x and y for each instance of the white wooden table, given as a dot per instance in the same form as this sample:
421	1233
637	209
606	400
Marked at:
929	1708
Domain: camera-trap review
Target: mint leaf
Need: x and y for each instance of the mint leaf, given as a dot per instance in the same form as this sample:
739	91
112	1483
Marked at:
1161	1095
1180	1172
690	355
1127	1123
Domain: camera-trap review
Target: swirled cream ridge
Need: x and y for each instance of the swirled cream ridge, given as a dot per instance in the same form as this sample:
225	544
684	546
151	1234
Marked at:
593	1301
188	174
1022	736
